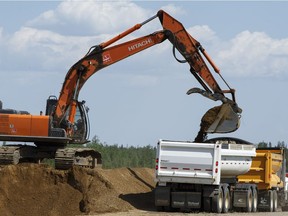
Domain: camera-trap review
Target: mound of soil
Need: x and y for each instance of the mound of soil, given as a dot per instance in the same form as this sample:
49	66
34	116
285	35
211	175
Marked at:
32	189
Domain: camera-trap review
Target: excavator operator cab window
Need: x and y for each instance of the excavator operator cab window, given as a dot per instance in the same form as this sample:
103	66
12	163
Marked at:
80	126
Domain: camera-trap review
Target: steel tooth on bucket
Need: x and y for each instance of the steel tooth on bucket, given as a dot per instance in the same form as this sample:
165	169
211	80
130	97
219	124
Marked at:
220	119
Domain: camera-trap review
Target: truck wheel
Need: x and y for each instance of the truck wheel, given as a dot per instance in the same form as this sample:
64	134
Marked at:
226	200
255	200
217	201
275	200
271	201
249	201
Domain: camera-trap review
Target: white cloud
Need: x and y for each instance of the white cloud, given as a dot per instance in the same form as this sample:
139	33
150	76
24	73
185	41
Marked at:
91	17
27	38
202	33
47	42
173	10
56	39
255	54
47	50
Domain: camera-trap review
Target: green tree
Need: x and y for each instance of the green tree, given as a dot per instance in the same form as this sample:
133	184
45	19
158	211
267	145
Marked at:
262	145
115	156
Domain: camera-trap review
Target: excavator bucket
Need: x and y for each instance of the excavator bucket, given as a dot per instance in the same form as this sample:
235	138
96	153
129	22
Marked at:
220	119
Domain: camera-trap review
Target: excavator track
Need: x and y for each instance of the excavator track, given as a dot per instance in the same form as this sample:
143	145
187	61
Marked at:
14	154
9	155
65	158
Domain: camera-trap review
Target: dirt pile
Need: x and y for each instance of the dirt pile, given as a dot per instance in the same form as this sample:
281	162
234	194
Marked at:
32	190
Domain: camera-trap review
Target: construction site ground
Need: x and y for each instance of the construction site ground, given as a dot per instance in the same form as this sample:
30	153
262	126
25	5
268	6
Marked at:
39	190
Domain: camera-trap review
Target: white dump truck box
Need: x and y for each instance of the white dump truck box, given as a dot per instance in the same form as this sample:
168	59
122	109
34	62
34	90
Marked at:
201	163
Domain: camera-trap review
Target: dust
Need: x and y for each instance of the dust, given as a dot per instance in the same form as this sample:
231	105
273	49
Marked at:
32	189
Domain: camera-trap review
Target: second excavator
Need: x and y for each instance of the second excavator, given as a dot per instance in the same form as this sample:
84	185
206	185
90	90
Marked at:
66	121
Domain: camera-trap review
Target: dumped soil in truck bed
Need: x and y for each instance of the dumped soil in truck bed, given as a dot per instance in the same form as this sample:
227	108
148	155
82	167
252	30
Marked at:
31	189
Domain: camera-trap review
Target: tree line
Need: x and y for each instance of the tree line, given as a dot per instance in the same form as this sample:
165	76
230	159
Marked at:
116	156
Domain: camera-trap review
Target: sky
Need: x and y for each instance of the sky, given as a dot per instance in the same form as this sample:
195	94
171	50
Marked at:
142	99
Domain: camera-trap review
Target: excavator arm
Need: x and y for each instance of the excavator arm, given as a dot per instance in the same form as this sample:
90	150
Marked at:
102	55
219	119
189	49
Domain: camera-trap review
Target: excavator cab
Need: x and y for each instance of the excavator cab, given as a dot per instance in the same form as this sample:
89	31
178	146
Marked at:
79	128
80	125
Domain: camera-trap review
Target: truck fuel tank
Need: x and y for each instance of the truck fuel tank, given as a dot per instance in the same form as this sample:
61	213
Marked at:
236	155
236	159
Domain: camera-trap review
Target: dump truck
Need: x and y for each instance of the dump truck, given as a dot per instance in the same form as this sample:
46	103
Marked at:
203	176
219	175
268	172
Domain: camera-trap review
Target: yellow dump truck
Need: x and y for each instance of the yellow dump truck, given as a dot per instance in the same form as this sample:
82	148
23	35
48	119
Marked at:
268	172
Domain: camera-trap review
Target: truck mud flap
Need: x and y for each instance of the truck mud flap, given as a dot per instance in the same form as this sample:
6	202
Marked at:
265	200
186	200
162	196
240	199
243	197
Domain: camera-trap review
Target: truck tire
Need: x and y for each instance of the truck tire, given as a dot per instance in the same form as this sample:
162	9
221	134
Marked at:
271	201
249	201
226	200
217	201
255	200
275	200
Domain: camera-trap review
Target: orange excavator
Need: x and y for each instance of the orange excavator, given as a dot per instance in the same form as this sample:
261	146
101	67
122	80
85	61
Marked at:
66	121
